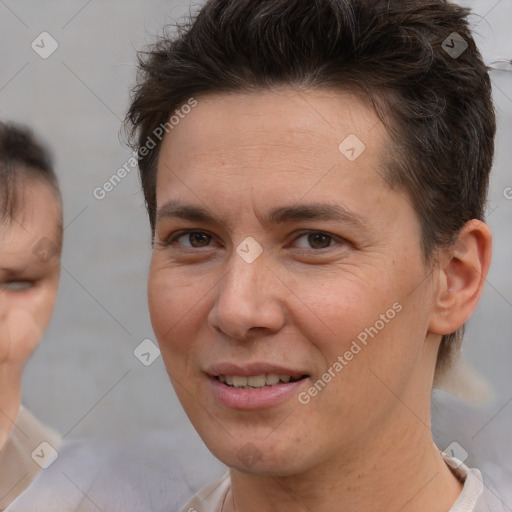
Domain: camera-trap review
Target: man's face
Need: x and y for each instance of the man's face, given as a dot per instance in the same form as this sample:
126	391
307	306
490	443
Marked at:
302	255
29	273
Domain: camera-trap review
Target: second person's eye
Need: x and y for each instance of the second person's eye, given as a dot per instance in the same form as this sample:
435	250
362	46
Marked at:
17	286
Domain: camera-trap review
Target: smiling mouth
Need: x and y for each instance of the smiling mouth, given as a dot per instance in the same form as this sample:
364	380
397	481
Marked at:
264	380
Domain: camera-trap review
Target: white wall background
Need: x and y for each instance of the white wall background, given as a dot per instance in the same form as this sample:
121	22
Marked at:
84	378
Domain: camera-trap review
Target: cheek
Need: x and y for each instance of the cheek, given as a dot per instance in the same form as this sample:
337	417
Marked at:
21	330
177	310
175	304
362	326
43	305
336	309
32	309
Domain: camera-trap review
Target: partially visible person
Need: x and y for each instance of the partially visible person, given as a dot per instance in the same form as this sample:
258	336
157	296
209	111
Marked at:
135	474
30	248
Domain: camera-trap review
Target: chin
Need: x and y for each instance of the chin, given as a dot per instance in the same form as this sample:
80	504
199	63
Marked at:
268	457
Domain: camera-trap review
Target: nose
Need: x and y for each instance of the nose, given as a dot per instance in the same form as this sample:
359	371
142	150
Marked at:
249	300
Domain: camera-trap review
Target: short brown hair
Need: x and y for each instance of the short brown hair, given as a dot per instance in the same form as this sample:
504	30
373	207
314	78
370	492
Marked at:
22	156
436	105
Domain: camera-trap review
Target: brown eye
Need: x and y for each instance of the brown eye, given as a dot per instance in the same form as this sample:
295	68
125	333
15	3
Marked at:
314	240
319	240
199	239
193	239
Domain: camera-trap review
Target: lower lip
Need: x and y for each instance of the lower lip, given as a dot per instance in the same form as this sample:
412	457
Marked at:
237	398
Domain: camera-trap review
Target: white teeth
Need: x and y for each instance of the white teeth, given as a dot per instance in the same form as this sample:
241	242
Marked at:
238	382
254	381
271	379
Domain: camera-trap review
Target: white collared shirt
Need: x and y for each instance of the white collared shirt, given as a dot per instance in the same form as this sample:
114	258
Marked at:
475	496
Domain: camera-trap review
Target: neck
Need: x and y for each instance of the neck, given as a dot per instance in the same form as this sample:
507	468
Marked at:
400	470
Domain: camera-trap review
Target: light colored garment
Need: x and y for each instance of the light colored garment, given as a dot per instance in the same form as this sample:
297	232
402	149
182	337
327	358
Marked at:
150	471
23	456
475	496
211	498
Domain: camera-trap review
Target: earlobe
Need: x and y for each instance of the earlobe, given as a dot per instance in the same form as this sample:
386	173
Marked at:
462	278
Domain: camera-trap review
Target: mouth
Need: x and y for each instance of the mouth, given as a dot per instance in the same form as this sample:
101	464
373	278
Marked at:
254	386
264	380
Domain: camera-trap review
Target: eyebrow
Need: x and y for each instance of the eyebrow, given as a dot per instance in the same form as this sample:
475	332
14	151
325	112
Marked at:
279	215
10	272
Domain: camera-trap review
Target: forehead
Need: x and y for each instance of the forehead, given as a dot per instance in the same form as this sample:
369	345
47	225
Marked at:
37	214
273	146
